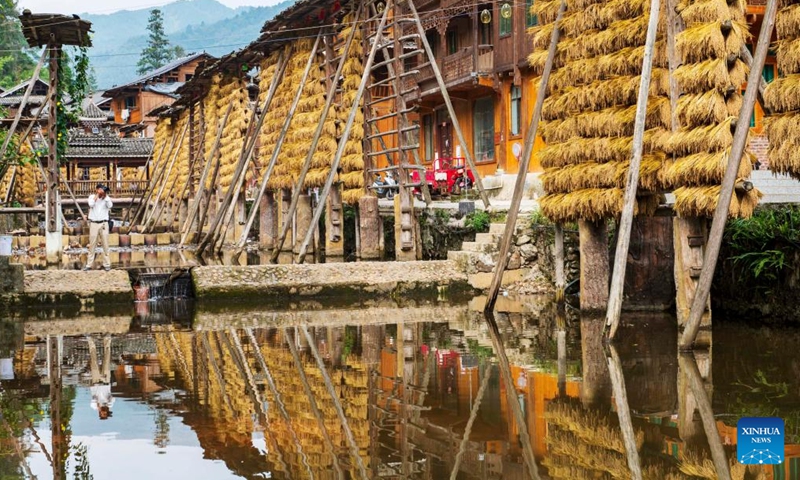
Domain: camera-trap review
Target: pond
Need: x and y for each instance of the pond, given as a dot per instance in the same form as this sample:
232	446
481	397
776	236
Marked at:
415	390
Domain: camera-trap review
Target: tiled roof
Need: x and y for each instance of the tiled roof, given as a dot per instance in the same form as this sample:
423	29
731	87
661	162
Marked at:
15	100
93	112
157	72
107	146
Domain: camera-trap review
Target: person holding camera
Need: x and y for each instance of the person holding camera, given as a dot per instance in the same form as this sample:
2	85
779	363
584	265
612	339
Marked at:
99	207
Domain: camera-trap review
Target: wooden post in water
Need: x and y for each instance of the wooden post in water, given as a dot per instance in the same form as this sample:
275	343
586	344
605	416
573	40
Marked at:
632	181
624	413
593	238
729	181
527	151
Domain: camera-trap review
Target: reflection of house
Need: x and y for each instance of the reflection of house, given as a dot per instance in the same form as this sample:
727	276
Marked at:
132	102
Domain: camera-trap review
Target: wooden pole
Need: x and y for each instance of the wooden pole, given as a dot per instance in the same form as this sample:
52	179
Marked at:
141	210
354	450
28	90
143	176
688	365
165	177
747	58
207	199
298	189
345	135
446	96
632	182
52	141
508	380
559	254
527	151
728	182
473	414
624	412
283	60
202	185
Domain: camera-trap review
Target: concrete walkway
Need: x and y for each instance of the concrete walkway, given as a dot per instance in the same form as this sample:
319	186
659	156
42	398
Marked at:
74	286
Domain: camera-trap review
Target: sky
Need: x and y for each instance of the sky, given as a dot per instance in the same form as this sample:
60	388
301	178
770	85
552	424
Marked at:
111	6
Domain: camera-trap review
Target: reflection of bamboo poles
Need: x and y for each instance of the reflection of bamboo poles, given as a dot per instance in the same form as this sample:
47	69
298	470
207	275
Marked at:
337	404
505	370
275	393
217	373
688	365
473	414
181	359
624	413
313	401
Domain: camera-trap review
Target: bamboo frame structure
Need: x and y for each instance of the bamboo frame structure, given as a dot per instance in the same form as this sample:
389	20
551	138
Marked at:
632	182
729	180
141	210
345	135
165	177
201	191
298	189
25	97
519	186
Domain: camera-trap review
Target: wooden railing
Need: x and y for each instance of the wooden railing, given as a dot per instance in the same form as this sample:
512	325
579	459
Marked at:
485	59
83	188
458	65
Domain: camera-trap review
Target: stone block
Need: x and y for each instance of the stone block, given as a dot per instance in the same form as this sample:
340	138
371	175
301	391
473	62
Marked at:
163	239
482	280
137	239
113	239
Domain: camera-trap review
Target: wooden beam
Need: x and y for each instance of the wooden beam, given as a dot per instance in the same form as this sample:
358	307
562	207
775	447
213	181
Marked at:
632	182
298	189
345	135
624	411
527	151
747	58
728	181
446	96
473	414
201	188
52	141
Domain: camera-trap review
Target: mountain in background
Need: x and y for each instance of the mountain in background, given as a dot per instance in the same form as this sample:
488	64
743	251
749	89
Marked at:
195	25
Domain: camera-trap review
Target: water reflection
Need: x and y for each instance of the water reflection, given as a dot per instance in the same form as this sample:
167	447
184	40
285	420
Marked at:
424	391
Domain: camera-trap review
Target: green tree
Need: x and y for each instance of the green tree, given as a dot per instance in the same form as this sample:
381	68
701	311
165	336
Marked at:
16	60
158	51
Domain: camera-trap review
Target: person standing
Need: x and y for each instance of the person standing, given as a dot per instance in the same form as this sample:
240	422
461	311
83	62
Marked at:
99	207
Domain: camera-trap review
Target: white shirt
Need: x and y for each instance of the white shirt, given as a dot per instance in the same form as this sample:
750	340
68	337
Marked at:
98	209
101	396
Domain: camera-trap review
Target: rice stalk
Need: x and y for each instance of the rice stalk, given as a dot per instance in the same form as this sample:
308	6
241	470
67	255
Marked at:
712	74
783	94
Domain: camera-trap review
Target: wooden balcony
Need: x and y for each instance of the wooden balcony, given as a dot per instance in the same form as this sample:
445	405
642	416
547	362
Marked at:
83	188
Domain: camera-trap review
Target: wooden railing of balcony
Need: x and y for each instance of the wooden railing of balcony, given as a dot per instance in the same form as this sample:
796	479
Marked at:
458	65
83	188
485	61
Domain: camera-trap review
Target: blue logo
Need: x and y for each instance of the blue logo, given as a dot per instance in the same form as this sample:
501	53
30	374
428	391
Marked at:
759	440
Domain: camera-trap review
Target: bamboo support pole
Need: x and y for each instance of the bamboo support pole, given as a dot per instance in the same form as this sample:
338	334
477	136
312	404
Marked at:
688	365
345	135
527	151
312	400
201	188
516	408
298	189
632	181
747	58
165	178
473	414
728	181
351	441
141	210
10	189
142	176
624	413
450	110
25	97
208	199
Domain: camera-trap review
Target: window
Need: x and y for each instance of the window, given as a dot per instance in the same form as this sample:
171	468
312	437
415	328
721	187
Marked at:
516	109
506	19
433	41
530	18
483	121
768	73
452	42
130	102
427	136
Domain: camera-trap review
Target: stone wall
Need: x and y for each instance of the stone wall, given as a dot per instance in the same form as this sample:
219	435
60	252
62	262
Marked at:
534	249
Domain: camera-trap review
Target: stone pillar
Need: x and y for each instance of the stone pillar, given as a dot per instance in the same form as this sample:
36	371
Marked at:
689	240
267	222
334	226
370	228
594	265
285	201
405	226
53	246
302	222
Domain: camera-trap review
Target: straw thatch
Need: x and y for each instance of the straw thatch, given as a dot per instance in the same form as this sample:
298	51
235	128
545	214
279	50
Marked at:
787	21
702	202
600	149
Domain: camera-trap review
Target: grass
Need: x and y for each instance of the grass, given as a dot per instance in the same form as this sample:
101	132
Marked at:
478	221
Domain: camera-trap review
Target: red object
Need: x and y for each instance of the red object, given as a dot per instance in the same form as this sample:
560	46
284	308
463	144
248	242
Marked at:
443	174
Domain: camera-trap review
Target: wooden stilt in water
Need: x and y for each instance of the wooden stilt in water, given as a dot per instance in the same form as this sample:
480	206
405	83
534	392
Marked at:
729	181
473	414
632	181
345	135
201	188
527	151
298	189
594	265
624	413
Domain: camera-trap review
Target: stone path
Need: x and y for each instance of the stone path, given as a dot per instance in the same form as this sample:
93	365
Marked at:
54	285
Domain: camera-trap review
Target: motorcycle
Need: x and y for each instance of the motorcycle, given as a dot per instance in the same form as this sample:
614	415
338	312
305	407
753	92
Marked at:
385	188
